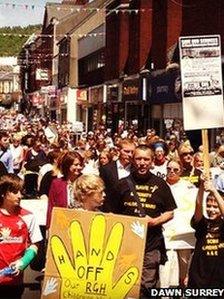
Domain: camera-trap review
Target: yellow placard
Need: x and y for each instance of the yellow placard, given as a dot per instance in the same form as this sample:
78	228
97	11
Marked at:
94	255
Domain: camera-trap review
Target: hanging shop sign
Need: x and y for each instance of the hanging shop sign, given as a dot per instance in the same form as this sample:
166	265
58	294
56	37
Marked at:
96	95
165	86
82	97
42	75
131	89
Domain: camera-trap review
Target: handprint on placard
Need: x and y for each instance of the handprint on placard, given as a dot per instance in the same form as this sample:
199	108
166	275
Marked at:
138	229
50	287
90	273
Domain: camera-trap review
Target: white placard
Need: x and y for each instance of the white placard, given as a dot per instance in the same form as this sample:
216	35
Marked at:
201	77
38	207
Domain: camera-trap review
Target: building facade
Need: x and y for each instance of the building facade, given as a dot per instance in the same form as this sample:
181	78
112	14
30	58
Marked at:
117	61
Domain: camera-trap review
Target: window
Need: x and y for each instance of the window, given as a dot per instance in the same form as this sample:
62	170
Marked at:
94	62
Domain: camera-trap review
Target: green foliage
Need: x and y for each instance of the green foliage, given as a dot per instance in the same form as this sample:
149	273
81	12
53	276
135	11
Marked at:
10	41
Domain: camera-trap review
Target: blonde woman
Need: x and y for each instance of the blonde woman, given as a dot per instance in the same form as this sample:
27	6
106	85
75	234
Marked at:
89	192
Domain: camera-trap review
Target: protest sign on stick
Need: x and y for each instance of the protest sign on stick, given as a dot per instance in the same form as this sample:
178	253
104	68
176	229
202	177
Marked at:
201	81
202	87
205	144
94	255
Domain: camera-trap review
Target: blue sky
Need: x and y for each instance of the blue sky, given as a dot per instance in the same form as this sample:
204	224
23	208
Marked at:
21	13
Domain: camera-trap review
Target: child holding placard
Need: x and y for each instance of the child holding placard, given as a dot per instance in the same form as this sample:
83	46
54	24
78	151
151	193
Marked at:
206	269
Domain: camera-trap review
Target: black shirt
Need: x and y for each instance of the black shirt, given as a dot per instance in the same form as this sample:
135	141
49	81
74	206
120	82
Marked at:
156	198
207	266
45	183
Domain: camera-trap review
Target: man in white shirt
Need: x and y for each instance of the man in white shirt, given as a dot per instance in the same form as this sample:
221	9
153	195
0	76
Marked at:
17	153
115	171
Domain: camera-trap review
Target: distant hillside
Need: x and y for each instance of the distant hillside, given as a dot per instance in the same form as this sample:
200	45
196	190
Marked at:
10	41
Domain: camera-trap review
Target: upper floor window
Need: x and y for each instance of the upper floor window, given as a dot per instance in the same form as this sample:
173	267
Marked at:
94	61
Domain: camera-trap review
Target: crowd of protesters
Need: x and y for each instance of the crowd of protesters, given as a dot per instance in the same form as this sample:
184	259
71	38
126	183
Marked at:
54	162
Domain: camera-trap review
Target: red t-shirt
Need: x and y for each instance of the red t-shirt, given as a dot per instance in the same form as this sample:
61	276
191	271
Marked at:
14	239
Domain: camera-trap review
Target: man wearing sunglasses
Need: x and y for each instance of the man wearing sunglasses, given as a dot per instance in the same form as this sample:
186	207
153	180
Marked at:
189	172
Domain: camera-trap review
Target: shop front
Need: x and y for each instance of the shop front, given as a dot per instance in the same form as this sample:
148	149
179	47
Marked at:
114	108
136	106
62	105
165	99
82	107
96	106
49	94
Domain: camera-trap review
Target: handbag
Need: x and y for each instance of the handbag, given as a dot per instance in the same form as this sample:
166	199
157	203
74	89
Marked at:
142	212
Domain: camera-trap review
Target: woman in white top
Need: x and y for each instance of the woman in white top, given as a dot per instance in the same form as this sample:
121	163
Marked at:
179	236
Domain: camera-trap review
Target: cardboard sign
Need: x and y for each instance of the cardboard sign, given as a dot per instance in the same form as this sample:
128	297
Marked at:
94	255
178	232
201	77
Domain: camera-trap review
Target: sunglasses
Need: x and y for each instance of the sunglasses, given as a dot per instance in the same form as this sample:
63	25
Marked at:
175	170
186	154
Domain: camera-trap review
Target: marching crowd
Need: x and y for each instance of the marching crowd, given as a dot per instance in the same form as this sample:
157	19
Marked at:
143	176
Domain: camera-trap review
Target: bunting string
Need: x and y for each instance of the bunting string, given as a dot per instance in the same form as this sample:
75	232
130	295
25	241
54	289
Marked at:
74	9
51	36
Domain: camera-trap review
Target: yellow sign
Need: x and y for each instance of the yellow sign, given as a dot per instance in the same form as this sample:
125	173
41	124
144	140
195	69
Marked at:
94	255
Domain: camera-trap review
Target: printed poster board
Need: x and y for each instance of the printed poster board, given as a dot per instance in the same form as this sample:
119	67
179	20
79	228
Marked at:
94	255
201	77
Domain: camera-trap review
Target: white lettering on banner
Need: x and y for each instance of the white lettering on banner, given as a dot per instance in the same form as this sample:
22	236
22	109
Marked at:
197	293
189	42
203	292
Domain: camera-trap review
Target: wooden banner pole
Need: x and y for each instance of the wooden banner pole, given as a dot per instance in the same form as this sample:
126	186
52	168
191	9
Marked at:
205	144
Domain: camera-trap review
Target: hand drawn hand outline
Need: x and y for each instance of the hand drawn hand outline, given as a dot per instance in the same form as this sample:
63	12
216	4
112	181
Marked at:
138	229
92	275
50	287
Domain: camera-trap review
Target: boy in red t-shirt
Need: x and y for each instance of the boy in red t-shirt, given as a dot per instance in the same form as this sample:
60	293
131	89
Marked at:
19	237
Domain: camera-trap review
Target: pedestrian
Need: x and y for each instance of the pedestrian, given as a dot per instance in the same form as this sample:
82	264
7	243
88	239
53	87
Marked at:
190	173
105	157
160	161
89	192
146	195
17	153
114	171
19	237
5	153
178	233
61	189
206	269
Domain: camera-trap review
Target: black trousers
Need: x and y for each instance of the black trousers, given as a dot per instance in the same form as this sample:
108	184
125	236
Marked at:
150	272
